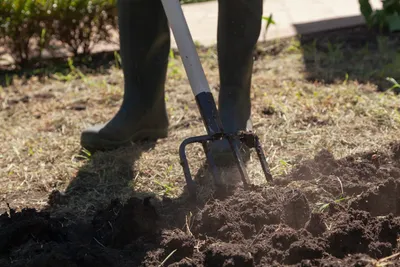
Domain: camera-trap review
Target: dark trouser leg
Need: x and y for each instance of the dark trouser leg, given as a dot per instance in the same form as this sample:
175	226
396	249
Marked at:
239	26
145	44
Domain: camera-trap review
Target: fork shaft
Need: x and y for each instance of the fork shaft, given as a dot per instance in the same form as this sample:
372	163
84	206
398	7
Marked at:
209	114
186	46
194	70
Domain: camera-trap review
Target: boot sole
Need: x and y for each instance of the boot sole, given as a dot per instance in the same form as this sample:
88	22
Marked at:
98	144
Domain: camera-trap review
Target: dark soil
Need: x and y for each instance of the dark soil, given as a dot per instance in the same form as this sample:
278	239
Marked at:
265	226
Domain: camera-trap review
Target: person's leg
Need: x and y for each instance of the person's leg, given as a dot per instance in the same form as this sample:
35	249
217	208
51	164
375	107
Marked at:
239	26
144	48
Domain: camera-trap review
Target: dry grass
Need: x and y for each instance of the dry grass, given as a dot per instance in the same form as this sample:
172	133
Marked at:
294	116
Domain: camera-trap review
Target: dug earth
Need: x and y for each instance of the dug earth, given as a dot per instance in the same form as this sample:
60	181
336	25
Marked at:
284	224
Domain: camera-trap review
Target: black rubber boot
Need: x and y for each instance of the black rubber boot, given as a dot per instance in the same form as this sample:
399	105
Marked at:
145	45
239	26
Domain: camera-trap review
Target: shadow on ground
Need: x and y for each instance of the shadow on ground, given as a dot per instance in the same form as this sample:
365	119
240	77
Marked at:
94	221
350	53
96	63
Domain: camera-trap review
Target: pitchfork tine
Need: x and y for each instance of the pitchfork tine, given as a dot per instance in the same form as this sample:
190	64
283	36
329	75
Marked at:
262	159
234	143
185	165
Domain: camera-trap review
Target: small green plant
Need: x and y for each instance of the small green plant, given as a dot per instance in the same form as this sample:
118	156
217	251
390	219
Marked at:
74	73
74	70
387	18
30	151
8	80
118	60
269	20
85	155
282	167
346	79
172	64
396	85
168	187
324	206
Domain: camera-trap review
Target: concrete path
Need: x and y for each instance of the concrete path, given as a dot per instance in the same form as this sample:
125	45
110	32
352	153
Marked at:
291	16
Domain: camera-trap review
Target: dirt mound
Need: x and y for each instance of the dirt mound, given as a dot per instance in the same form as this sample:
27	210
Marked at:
262	229
355	172
284	224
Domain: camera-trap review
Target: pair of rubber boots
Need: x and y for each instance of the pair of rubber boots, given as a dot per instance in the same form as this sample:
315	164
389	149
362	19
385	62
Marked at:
144	48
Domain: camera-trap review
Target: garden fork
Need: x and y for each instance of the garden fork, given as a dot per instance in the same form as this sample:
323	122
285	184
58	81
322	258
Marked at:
207	106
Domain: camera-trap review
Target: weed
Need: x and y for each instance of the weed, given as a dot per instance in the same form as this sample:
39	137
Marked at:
74	73
168	188
117	59
282	168
395	85
324	206
269	21
174	69
8	80
294	46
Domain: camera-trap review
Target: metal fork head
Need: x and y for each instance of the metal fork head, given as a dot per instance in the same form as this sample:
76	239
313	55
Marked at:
235	140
